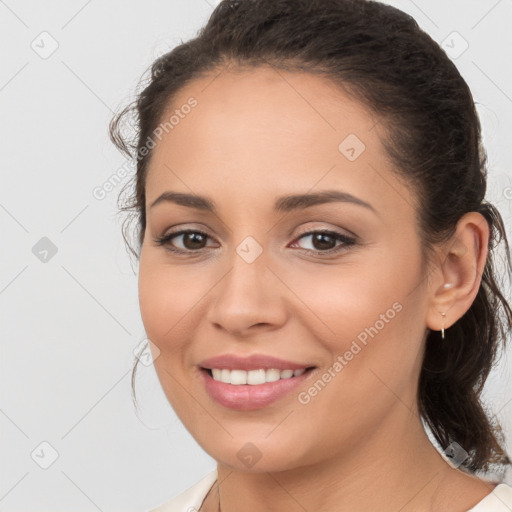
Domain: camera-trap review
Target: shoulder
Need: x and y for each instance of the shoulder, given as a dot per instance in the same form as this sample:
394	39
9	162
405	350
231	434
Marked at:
190	499
499	500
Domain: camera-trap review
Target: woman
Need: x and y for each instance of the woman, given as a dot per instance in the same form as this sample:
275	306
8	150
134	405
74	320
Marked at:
316	261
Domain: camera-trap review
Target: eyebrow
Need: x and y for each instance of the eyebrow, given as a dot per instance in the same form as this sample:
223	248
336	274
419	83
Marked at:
282	204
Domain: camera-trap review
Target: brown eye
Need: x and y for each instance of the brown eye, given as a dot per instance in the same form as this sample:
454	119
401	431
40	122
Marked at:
326	242
191	241
322	241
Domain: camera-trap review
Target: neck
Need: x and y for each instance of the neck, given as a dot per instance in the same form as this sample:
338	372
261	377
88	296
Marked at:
397	468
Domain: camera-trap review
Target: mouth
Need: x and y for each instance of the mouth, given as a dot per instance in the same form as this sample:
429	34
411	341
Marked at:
246	390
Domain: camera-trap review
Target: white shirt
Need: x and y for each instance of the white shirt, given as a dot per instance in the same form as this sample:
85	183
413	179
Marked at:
190	500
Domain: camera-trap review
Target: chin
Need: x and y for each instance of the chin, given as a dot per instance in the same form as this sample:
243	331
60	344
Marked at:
259	456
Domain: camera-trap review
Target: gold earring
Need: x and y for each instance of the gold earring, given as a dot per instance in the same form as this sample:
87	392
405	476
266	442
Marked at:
442	329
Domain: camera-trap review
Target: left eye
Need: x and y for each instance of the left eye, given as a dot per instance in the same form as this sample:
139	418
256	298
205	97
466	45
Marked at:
325	241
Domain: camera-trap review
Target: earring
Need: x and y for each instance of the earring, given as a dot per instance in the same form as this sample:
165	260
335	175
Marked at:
442	329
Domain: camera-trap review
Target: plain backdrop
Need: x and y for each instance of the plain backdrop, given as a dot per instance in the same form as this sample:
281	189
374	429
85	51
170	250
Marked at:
70	317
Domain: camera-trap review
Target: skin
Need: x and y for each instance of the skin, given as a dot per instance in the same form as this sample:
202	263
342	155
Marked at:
358	445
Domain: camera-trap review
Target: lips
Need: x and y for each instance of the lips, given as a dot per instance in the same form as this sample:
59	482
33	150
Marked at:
257	395
252	362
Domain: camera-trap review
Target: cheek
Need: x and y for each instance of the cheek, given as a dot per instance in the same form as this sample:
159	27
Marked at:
368	313
374	358
168	301
342	301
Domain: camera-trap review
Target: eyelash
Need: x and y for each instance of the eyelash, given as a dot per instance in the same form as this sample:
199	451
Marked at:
347	241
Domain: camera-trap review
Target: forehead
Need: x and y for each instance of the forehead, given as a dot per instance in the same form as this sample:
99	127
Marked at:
262	131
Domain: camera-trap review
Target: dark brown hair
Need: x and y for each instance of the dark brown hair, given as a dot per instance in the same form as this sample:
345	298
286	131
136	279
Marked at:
381	57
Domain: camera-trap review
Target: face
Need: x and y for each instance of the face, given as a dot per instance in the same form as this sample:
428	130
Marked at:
335	287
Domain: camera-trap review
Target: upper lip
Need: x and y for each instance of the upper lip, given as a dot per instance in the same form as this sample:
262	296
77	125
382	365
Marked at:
252	362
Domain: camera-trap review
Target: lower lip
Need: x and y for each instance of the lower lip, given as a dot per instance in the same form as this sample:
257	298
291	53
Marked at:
245	397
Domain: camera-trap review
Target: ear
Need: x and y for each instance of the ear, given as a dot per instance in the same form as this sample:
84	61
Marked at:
458	272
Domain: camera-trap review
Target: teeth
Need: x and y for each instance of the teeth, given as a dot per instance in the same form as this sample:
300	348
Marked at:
238	377
253	377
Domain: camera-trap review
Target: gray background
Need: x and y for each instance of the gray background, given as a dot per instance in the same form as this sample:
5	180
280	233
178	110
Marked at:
70	323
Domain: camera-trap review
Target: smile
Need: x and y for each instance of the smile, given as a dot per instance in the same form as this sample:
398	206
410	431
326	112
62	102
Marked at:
250	389
253	377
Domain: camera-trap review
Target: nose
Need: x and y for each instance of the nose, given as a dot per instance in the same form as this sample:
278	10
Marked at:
249	299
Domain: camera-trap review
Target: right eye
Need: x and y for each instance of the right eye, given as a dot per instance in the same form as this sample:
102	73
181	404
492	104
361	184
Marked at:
193	240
